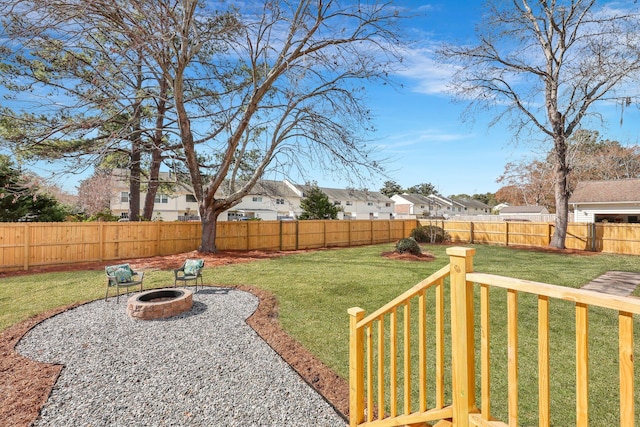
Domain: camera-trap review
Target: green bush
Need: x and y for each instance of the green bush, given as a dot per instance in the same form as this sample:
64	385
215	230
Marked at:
429	234
408	245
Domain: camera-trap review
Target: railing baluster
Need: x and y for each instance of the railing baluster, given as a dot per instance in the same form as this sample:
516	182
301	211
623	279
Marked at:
485	365
407	357
393	362
440	344
625	339
381	368
543	361
512	338
369	335
356	371
582	365
422	350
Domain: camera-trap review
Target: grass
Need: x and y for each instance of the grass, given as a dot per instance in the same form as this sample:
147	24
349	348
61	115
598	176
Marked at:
315	290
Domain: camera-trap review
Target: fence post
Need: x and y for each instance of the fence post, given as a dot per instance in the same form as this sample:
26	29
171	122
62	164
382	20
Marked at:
27	245
356	367
506	233
462	333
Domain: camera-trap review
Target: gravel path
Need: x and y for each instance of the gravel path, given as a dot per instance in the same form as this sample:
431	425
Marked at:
206	367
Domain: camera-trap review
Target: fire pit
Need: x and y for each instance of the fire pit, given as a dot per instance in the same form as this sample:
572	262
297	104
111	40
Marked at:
159	303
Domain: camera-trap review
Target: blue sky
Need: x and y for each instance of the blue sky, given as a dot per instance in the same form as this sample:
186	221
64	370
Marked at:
422	132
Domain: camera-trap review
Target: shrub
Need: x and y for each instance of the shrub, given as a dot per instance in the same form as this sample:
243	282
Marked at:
408	245
429	234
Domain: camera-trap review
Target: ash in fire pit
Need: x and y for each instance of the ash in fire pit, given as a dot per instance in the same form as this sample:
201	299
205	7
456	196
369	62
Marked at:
159	303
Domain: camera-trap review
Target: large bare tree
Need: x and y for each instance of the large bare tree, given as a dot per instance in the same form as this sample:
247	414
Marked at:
278	83
550	63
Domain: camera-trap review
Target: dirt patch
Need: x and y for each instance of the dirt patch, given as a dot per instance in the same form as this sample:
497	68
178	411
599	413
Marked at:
408	256
25	384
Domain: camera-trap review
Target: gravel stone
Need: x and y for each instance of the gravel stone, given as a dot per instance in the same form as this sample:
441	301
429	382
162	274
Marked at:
205	367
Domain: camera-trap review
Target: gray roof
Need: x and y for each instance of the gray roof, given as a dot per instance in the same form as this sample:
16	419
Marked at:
523	209
471	203
348	194
616	191
415	198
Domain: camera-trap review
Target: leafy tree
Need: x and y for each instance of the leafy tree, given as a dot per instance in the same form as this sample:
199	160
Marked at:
548	64
424	189
20	200
100	100
316	205
391	188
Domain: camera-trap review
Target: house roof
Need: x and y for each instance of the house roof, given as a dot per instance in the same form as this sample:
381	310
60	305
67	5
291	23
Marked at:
523	209
471	203
614	191
413	198
348	194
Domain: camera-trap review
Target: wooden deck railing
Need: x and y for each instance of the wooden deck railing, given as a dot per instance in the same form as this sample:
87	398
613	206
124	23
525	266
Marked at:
381	383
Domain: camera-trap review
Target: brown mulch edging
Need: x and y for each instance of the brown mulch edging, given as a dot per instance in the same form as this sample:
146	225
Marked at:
25	384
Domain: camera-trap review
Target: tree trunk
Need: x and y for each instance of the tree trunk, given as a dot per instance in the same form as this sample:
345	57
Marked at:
561	173
134	182
152	187
209	223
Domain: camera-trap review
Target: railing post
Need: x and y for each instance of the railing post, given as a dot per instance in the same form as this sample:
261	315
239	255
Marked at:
462	335
356	367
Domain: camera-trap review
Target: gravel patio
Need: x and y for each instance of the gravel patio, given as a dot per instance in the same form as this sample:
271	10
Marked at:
202	368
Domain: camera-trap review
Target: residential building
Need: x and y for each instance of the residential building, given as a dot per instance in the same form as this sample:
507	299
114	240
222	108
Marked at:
355	204
606	201
436	206
267	200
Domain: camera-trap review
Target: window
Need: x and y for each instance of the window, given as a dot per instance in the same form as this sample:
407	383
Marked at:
387	204
349	203
421	206
161	198
191	198
124	197
256	199
369	203
124	215
337	202
279	201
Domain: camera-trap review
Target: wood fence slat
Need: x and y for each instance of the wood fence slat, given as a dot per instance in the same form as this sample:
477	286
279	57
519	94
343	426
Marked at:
393	362
485	360
582	365
512	355
407	358
440	309
422	349
381	368
625	351
369	337
543	362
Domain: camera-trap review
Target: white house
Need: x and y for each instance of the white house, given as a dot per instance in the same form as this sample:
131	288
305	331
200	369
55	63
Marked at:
606	201
267	200
421	206
355	204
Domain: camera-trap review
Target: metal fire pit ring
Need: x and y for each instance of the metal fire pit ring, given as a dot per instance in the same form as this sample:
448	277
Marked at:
159	303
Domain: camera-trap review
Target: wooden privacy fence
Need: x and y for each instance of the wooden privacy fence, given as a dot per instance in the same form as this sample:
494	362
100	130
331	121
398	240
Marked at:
600	237
418	332
28	245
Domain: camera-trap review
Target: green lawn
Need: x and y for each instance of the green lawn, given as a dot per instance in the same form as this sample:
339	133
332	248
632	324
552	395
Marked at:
315	290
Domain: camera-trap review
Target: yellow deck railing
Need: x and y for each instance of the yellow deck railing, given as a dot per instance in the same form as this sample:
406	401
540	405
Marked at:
381	385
